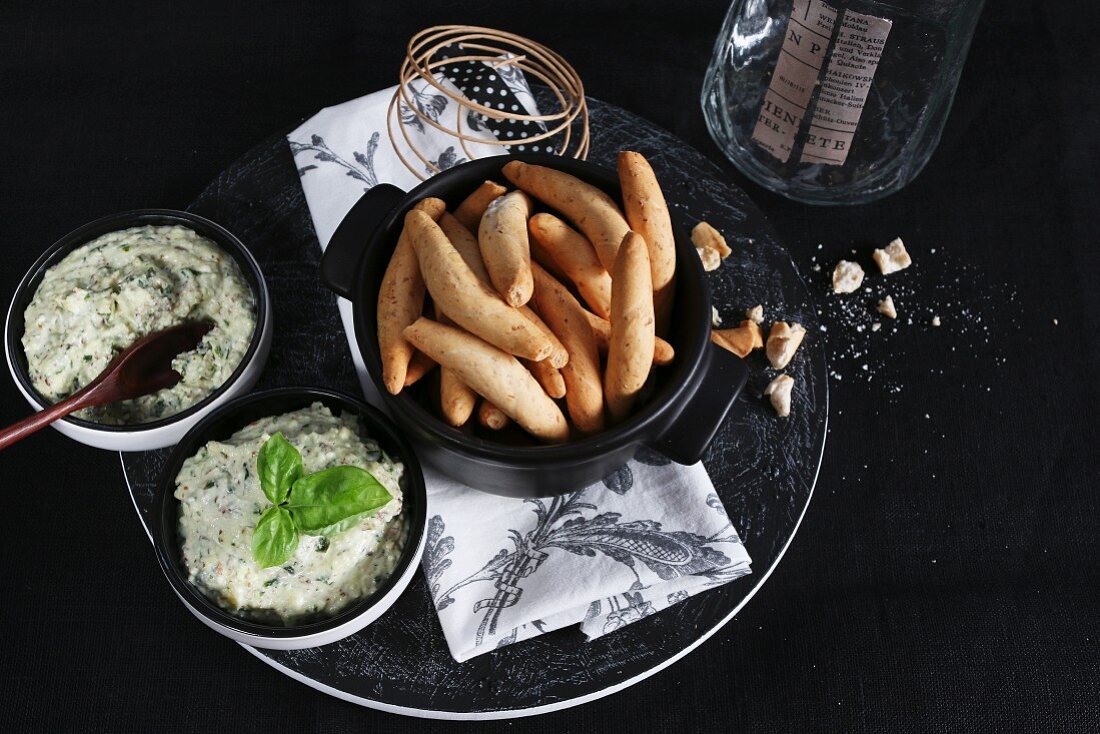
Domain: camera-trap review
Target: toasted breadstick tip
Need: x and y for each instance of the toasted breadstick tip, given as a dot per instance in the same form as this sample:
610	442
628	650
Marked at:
469	212
420	365
548	376
491	416
559	356
456	399
431	206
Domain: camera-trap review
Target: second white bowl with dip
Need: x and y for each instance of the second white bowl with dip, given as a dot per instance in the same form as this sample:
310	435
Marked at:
221	426
169	429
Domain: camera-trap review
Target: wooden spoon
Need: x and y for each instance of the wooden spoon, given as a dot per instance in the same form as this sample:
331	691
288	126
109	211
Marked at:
142	368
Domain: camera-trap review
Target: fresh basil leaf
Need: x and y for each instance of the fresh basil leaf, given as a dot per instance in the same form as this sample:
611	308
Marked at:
280	465
330	497
339	527
275	538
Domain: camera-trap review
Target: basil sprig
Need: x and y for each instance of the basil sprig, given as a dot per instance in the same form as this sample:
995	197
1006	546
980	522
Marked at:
321	503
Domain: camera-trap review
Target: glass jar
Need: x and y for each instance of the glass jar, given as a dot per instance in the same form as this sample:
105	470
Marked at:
835	101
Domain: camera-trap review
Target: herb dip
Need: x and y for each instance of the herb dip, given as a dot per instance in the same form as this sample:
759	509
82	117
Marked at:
105	295
221	501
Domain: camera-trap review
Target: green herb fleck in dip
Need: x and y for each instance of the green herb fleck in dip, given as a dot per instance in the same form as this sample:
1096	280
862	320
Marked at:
221	501
105	295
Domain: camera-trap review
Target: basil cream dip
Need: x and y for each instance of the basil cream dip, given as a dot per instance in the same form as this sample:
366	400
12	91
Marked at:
106	294
221	501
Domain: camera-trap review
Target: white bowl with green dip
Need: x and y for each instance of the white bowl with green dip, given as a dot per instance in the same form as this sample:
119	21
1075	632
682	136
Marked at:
110	282
352	497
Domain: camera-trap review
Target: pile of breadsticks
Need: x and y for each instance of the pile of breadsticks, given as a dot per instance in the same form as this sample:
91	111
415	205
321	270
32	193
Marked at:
523	304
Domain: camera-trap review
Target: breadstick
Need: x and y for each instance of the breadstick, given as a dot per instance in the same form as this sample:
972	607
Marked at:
583	383
465	242
647	214
491	416
493	374
663	353
593	212
470	303
540	255
400	301
576	257
548	376
502	237
473	206
456	399
420	365
630	350
467	247
560	356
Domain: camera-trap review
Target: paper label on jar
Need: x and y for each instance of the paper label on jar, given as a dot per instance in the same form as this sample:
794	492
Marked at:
801	57
850	63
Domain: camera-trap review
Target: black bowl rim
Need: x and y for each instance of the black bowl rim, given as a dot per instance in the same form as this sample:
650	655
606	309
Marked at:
636	429
375	420
123	220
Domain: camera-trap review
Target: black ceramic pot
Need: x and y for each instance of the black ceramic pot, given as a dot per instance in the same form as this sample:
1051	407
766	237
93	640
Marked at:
689	400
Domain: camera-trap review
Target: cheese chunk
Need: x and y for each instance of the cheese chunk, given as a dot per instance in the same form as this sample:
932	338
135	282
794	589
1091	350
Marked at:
847	277
783	341
886	308
893	258
779	392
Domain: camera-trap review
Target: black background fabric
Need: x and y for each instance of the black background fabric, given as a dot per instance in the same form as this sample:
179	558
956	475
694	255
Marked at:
945	576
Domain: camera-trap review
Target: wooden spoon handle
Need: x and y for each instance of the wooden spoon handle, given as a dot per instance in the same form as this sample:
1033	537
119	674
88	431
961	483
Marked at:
42	418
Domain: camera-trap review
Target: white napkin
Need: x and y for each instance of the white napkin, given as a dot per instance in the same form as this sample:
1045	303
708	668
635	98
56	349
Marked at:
504	570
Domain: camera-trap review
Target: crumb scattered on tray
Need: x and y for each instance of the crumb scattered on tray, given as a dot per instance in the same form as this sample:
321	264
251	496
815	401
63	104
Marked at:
710	244
715	319
968	302
710	259
741	340
756	313
783	341
779	391
886	308
847	277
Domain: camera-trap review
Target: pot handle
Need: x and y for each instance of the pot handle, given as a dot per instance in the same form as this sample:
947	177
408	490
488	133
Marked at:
340	261
690	433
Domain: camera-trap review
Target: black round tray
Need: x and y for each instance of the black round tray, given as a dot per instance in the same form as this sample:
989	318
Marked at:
763	467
